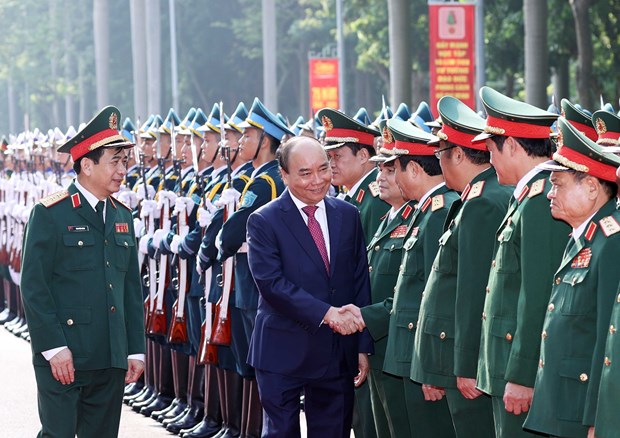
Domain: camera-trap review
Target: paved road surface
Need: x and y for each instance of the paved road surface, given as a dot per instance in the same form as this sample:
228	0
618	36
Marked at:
19	397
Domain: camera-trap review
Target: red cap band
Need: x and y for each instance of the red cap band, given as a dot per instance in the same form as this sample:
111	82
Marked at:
588	130
98	139
516	129
339	134
460	138
413	148
595	168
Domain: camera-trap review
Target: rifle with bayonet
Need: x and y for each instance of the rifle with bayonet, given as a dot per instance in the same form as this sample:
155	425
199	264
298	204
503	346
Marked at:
177	332
221	330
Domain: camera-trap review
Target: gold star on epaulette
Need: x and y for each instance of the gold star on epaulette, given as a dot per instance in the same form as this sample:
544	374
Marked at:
54	198
609	225
537	188
476	190
438	202
374	188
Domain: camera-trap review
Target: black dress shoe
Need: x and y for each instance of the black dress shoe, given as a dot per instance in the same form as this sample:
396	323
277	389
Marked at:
158	404
189	420
6	316
207	428
174	412
229	433
132	389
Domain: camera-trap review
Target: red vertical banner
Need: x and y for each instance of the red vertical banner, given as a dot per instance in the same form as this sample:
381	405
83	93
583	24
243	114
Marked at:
452	52
323	83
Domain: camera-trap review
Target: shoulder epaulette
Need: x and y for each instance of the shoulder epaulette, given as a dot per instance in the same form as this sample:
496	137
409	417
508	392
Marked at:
537	188
54	198
374	188
476	190
438	202
609	225
116	200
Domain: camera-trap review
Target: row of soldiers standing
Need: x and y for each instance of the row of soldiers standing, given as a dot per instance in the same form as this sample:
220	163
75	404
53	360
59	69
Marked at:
457	345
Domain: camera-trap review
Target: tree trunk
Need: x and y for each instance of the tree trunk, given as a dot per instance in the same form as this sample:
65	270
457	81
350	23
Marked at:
399	28
584	78
270	88
536	55
510	84
69	73
138	57
153	57
561	80
55	119
101	33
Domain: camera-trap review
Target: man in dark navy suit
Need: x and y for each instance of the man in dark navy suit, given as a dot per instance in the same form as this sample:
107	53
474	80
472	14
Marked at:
307	255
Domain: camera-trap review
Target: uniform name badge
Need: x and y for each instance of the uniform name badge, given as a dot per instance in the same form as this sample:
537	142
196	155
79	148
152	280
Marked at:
582	260
122	227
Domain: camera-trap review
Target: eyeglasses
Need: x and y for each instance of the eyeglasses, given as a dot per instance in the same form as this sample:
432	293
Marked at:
438	152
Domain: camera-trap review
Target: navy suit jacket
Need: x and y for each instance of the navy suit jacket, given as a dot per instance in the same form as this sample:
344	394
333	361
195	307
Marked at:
296	291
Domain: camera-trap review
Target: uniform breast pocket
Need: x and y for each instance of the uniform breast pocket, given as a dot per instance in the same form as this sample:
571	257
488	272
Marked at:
124	243
79	254
393	250
443	262
574	299
507	258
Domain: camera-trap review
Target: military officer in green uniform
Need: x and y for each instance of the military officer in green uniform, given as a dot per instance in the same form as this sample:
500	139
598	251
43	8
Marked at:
350	146
528	249
81	288
579	119
576	323
384	255
446	346
418	175
607	423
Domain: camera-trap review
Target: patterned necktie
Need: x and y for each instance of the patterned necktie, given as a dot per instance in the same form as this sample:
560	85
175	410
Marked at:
317	234
99	209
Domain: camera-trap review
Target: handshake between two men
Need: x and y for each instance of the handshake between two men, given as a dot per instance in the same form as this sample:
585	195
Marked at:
345	320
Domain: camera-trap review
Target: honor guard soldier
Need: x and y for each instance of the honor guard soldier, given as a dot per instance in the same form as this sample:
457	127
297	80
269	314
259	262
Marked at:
262	132
129	132
577	319
447	341
81	288
350	145
384	256
527	251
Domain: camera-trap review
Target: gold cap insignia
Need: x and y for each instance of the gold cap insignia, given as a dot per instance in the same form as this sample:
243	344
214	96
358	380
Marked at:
559	140
113	121
327	123
601	127
387	135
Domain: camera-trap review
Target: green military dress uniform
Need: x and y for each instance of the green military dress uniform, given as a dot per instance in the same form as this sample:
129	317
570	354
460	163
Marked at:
448	335
384	256
81	288
577	319
371	207
527	251
340	130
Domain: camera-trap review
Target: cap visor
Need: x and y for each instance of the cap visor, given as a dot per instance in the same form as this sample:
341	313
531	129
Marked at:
611	149
481	137
329	147
552	166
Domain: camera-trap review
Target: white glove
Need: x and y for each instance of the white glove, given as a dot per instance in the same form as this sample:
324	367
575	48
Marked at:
143	245
204	217
218	240
149	209
208	205
227	197
140	191
138	226
182	203
158	237
174	245
198	268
